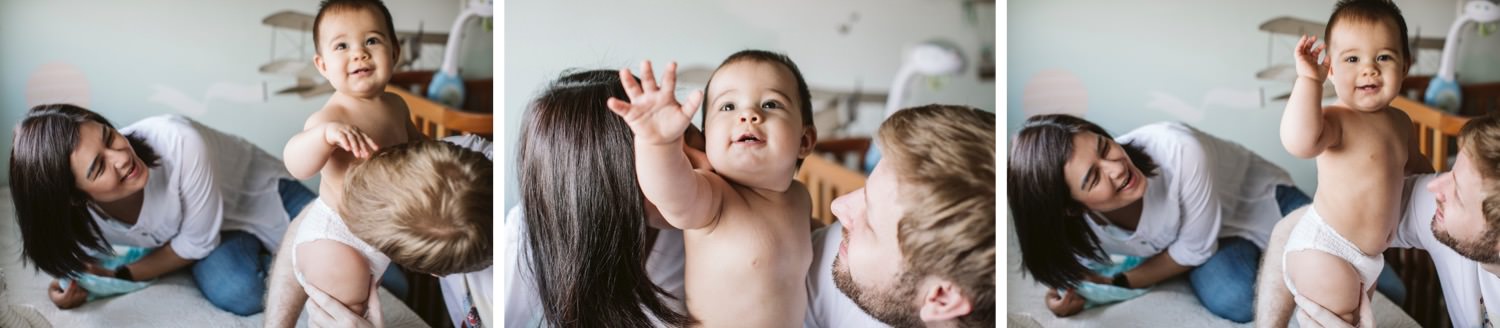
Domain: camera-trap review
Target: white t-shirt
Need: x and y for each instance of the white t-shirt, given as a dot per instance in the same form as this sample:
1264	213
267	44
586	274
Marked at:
1205	189
208	182
523	306
479	284
1464	281
826	305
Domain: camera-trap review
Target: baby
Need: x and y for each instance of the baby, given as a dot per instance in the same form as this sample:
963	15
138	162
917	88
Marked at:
745	222
356	51
1363	149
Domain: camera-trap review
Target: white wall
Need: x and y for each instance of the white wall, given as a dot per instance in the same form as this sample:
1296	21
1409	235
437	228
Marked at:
1127	64
543	38
146	58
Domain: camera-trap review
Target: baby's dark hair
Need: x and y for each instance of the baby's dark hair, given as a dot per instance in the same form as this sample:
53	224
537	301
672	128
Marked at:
342	5
1369	11
804	99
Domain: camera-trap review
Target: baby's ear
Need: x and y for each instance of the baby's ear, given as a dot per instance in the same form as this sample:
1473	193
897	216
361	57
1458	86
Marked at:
318	63
809	139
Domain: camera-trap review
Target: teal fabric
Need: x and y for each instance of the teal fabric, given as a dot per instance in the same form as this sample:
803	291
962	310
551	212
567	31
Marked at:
101	287
1100	294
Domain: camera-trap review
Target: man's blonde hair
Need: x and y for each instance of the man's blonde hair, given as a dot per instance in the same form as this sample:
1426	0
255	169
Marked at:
944	158
1481	137
426	204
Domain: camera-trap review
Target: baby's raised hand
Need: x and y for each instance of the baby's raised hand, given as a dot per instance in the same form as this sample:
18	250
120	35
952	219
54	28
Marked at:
653	113
349	138
1308	65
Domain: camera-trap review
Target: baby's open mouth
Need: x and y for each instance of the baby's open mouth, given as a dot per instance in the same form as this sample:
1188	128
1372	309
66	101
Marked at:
748	138
361	71
1368	87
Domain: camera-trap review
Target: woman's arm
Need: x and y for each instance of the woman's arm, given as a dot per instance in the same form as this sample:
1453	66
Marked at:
1156	269
159	262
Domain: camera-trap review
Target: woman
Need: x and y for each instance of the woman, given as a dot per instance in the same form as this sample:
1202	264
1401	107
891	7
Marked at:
200	197
1185	201
581	251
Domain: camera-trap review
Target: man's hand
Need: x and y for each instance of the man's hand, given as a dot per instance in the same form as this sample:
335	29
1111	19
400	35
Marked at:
1310	315
1069	303
329	312
653	113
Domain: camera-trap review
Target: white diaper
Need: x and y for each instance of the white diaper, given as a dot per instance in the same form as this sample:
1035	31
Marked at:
322	222
1313	233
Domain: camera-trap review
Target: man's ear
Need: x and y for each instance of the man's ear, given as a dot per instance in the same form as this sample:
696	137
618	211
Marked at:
809	139
943	300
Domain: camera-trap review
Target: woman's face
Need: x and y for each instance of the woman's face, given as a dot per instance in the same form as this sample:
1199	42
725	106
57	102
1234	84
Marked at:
104	166
1100	176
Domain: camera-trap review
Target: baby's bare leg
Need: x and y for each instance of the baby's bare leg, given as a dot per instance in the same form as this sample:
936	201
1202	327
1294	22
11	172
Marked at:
1328	281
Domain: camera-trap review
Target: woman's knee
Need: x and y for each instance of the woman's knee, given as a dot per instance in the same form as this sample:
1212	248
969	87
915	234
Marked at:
1232	305
244	298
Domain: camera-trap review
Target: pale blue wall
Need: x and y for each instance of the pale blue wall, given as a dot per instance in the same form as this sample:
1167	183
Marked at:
127	48
543	38
1132	57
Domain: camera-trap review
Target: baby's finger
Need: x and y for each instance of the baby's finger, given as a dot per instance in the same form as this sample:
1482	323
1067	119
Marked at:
694	102
370	142
632	88
619	107
648	78
669	77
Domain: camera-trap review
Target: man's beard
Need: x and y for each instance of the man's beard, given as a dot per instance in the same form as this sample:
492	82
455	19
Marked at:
896	306
1482	250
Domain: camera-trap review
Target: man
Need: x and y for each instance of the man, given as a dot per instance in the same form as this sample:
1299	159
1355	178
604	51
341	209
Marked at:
916	246
1455	216
467	296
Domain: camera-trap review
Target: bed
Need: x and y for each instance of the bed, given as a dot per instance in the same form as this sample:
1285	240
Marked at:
1169	304
173	301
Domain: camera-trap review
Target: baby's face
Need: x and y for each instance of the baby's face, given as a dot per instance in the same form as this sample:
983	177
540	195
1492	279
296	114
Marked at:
1367	65
753	127
356	54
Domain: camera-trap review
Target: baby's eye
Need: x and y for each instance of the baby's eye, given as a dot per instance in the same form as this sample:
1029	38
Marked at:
726	107
372	41
1351	59
340	46
770	105
1385	58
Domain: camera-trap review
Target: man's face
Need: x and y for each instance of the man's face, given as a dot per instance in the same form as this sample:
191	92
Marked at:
869	266
1459	221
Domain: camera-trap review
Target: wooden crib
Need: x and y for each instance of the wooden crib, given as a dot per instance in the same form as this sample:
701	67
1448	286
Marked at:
827	178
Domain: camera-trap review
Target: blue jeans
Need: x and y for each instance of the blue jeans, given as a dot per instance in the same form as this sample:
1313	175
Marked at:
233	275
1388	284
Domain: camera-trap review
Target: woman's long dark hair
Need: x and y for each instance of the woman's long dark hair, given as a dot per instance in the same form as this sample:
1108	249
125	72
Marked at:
1049	222
56	229
584	208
